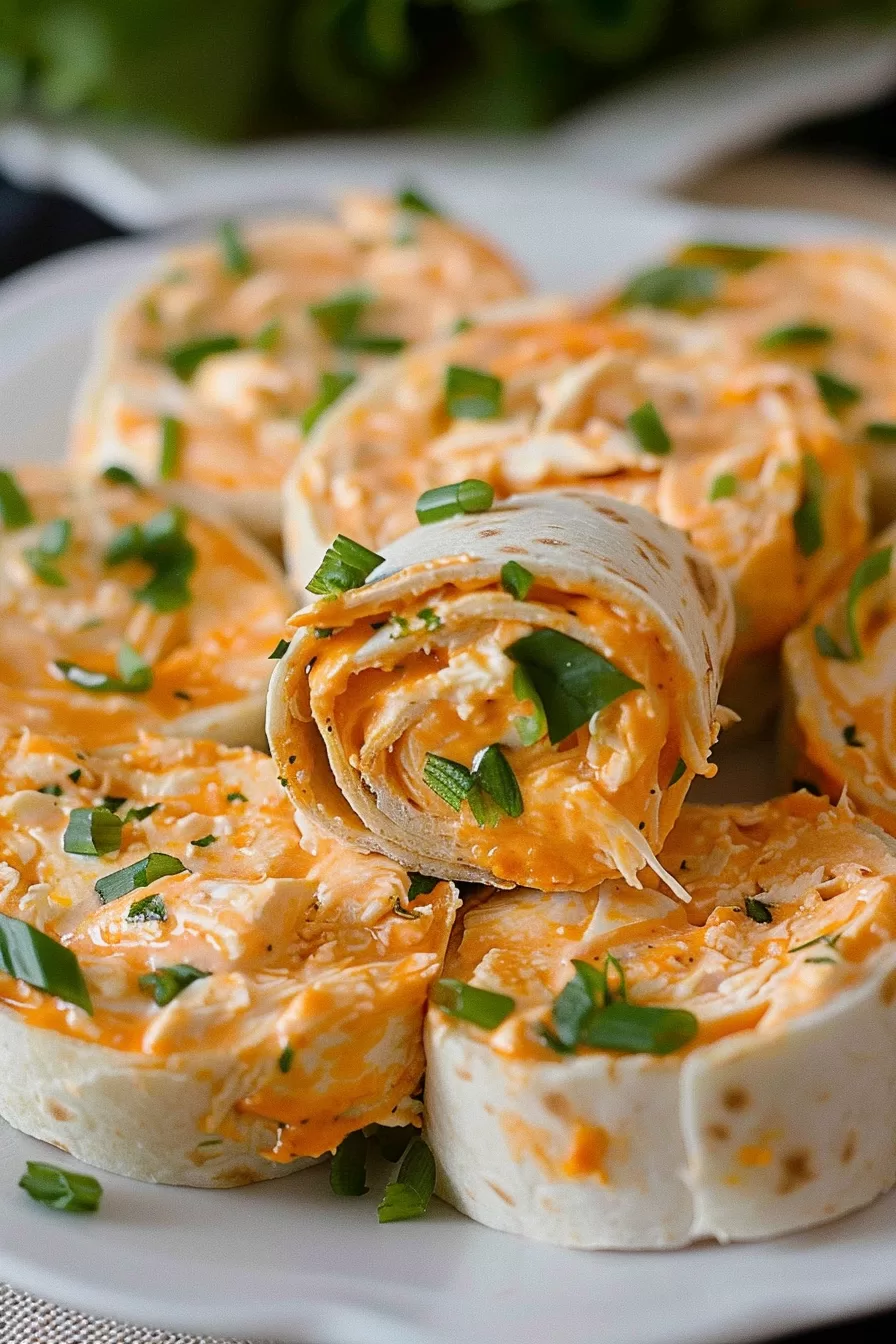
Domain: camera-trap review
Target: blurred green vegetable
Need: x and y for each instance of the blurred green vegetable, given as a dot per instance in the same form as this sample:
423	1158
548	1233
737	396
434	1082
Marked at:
229	68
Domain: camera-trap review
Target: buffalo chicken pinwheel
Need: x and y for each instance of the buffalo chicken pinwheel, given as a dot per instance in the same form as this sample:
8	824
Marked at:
518	696
186	995
839	730
122	612
616	1069
207	378
737	451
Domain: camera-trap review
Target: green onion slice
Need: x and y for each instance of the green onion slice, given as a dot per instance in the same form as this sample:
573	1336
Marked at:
472	394
121	476
338	317
268	337
60	1189
795	333
34	957
287	1055
493	773
421	885
169	455
140	813
851	736
649	430
687	288
807	520
482	1007
639	1029
161	543
576	1000
409	1195
236	258
15	511
723	487
279	649
92	831
393	1140
835	393
53	542
408	199
184	359
140	874
134	675
573	681
757	910
516	580
148	908
531	728
346	564
449	779
43	567
204	841
52	790
445	501
331	388
729	256
366	344
881	431
677	773
348	1166
871	570
168	981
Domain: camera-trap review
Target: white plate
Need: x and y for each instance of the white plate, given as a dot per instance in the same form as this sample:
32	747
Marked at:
288	1259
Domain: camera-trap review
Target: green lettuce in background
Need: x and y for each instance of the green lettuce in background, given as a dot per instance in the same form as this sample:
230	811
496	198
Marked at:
224	69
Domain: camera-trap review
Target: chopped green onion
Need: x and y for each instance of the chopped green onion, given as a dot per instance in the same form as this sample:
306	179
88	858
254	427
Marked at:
516	580
54	790
449	779
834	392
482	1007
278	650
461	325
757	910
331	388
236	259
168	981
268	337
729	256
881	431
573	681
346	564
420	885
807	521
204	841
75	775
429	618
444	501
92	831
493	773
148	908
161	543
677	773
402	911
871	570
576	1001
649	430
169	456
15	511
400	626
140	874
323	631
723	487
113	801
59	1189
43	567
134	675
472	394
287	1055
121	476
373	345
851	737
237	797
829	939
34	957
184	360
530	727
687	288
409	1195
53	542
639	1029
797	333
393	1140
408	199
140	813
338	317
348	1166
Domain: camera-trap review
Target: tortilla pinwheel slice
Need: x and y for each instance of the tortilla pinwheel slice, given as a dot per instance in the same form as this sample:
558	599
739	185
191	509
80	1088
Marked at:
614	1069
516	696
121	612
737	451
840	688
207	378
827	309
186	994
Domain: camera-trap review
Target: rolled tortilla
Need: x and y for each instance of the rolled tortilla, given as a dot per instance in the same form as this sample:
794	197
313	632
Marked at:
739	452
307	1023
838	726
206	643
631	628
384	275
776	1115
841	296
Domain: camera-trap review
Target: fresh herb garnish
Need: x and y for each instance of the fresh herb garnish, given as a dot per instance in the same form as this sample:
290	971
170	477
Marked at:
677	773
881	431
346	564
204	841
472	394
638	1029
330	389
531	728
54	790
807	520
237	797
92	831
408	199
348	1165
649	430
493	773
168	981
15	511
490	787
516	580
134	675
429	618
53	542
851	737
482	1007
409	1195
723	487
449	779
140	874
278	650
578	997
169	452
421	885
445	501
687	288
236	259
795	333
268	337
148	908
34	957
871	570
59	1189
121	476
757	910
829	939
287	1055
184	359
113	801
735	257
834	392
140	813
573	681
338	317
161	543
75	775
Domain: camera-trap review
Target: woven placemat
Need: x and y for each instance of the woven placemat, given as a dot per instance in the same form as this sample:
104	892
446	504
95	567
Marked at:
29	1320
